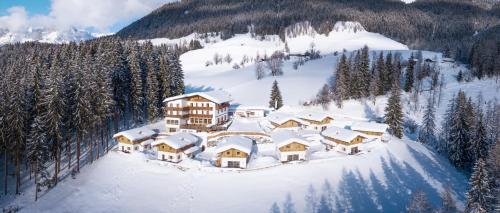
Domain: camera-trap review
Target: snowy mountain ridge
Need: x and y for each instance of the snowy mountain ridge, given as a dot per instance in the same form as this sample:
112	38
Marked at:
45	35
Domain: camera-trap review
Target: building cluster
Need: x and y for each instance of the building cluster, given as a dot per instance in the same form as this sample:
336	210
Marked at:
192	119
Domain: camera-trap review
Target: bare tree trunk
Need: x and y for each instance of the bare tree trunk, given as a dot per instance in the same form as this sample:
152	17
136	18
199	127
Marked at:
5	171
78	138
36	180
18	170
91	144
107	137
68	149
56	169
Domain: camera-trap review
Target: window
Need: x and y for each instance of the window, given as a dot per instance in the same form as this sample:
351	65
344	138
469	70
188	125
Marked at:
228	153
237	153
292	157
128	148
288	146
178	157
233	164
162	157
170	157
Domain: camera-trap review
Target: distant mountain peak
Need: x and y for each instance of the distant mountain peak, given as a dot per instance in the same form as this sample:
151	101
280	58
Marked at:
44	35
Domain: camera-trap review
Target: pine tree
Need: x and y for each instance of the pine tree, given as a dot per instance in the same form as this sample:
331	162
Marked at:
136	87
427	131
323	97
493	168
448	205
394	113
341	84
288	206
152	86
276	100
382	74
364	71
419	203
164	76
177	74
311	200
458	131
478	196
275	208
409	74
389	73
259	70
478	147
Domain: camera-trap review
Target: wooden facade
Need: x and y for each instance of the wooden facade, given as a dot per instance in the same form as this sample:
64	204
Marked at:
125	140
287	124
356	140
233	153
293	147
325	121
370	133
166	148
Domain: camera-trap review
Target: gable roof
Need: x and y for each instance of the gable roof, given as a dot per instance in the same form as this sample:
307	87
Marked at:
340	134
285	137
312	115
369	126
281	117
241	143
137	134
178	140
217	96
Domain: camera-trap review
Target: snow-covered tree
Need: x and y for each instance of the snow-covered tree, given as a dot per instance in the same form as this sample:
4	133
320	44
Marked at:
394	112
311	200
341	84
259	70
323	97
288	206
409	74
276	101
479	194
419	203
448	205
426	134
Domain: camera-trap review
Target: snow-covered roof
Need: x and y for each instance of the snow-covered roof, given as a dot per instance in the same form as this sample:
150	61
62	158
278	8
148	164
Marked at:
245	107
245	125
313	115
281	117
178	140
137	134
147	142
369	126
241	143
217	96
340	134
284	137
191	150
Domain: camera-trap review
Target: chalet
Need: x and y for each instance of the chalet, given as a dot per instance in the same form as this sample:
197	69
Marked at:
138	139
290	146
234	152
284	120
343	140
199	111
176	147
316	120
249	111
369	128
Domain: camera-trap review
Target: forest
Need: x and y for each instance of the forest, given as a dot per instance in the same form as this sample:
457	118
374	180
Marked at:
63	102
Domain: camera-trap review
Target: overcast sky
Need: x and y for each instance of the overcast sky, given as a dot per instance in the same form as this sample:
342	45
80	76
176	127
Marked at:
94	15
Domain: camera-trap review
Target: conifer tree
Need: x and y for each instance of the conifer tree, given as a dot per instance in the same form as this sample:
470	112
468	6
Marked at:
389	73
493	168
419	203
448	205
458	131
323	97
478	196
152	86
394	112
177	74
426	134
341	84
364	70
382	73
276	100
136	87
409	74
478	147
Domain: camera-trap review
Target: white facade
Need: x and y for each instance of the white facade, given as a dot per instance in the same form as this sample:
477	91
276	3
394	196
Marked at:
350	149
170	157
295	155
181	111
225	162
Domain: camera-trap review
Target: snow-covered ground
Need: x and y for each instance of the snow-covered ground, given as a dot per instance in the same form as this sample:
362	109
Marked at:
378	180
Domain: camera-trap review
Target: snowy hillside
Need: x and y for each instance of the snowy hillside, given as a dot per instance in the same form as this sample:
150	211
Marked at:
379	181
44	35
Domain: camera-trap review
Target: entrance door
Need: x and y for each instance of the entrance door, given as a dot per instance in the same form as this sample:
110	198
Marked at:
233	164
163	157
293	157
354	150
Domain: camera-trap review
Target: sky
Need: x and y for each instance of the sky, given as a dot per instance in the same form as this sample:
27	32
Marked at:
101	16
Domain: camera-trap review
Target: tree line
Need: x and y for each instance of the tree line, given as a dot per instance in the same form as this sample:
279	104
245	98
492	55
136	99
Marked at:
62	103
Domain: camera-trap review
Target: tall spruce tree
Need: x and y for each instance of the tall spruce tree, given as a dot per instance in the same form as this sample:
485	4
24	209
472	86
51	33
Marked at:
479	194
394	112
341	83
136	80
364	70
276	101
389	73
409	74
426	134
382	74
458	131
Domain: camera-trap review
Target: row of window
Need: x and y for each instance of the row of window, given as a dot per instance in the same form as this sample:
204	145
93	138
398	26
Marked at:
173	122
200	120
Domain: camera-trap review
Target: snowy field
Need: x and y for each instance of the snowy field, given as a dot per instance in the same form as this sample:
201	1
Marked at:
377	181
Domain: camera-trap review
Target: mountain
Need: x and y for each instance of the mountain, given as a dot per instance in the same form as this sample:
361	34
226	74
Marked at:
452	22
45	35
